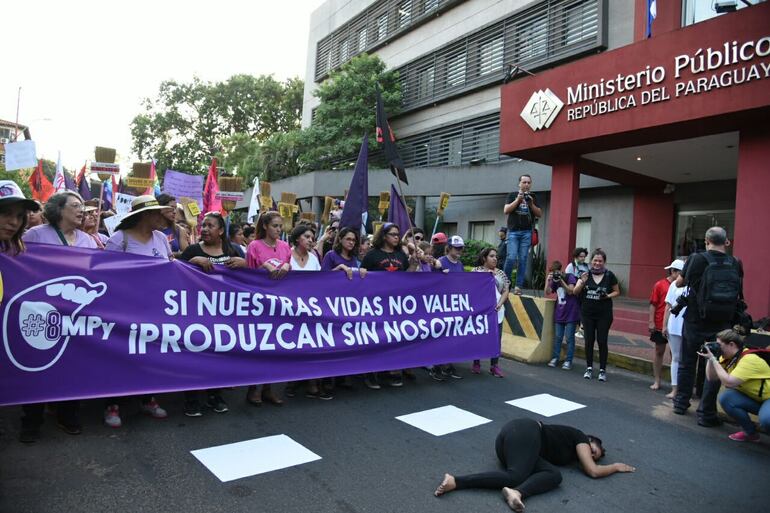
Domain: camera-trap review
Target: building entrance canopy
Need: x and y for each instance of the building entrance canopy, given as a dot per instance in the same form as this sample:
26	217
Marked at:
708	78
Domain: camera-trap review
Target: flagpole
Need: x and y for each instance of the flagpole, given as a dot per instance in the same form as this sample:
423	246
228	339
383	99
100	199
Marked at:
435	227
16	125
99	209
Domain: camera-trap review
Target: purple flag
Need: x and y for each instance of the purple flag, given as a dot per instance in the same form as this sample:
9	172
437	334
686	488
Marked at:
81	323
397	213
356	210
84	189
69	183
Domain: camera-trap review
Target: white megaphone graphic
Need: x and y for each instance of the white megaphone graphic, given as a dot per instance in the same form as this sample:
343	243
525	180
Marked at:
36	319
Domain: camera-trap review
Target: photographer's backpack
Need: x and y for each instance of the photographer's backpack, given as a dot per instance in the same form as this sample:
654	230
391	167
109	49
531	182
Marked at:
720	289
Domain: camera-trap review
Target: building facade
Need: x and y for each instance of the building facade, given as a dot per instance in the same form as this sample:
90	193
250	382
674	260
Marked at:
642	198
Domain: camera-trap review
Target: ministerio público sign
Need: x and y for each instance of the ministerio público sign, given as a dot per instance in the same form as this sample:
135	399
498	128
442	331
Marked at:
698	73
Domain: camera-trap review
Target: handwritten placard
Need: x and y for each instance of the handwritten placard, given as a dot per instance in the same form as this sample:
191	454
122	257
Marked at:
123	203
230	195
105	168
133	181
20	155
180	184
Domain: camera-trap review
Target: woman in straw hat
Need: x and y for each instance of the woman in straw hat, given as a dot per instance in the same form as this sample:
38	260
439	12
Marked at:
137	233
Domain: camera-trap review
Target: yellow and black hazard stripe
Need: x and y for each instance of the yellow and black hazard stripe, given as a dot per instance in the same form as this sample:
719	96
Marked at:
524	317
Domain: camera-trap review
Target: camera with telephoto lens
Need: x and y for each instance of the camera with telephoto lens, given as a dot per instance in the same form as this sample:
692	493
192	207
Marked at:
714	347
556	276
681	302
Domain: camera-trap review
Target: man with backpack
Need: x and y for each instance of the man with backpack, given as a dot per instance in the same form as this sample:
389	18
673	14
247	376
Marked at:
715	281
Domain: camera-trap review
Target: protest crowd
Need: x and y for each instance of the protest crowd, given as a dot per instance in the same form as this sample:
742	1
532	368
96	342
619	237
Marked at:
156	227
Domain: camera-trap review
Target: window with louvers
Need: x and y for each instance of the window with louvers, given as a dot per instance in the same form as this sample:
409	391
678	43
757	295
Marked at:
454	145
385	20
539	36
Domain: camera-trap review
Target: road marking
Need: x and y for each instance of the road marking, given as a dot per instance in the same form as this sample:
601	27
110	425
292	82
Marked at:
443	420
545	404
251	457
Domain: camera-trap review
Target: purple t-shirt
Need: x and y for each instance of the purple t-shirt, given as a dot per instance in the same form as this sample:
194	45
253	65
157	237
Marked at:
567	305
448	267
332	259
46	234
157	246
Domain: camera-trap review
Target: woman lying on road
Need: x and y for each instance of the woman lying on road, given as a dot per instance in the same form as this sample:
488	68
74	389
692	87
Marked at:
530	450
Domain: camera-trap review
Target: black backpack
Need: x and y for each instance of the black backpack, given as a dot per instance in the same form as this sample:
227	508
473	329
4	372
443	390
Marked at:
720	289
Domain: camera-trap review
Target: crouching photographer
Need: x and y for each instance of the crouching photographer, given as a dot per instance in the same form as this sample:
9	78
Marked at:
745	373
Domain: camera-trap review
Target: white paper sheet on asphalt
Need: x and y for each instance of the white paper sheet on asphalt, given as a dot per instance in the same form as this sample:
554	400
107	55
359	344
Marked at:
252	457
546	405
443	420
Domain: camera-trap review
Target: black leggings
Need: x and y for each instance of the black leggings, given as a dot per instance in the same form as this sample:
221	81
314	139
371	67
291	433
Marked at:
518	449
596	329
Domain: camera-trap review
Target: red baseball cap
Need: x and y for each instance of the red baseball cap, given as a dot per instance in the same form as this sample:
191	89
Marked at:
438	238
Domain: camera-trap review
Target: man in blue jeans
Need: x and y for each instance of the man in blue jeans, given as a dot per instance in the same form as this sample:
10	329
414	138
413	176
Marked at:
522	210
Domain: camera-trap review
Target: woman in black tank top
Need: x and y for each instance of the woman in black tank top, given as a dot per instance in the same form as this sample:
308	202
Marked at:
530	451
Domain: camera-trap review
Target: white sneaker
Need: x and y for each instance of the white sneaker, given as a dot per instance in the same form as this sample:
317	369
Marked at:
554	362
602	375
154	410
579	334
112	416
567	365
589	373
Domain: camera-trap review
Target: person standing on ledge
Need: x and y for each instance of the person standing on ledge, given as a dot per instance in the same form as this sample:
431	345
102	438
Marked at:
522	210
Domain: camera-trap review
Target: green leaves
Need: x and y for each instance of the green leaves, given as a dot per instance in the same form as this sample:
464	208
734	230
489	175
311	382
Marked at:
188	123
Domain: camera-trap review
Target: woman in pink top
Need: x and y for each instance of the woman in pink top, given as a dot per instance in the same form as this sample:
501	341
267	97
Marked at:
270	253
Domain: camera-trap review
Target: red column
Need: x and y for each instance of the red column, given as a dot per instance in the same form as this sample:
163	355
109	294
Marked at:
651	240
562	218
752	218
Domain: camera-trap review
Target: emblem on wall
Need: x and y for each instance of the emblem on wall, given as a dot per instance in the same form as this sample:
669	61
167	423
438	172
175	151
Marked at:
541	109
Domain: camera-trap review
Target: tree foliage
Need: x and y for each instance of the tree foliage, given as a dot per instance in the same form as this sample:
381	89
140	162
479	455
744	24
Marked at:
347	111
188	123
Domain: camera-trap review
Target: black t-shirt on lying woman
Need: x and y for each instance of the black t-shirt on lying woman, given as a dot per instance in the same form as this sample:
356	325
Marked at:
594	301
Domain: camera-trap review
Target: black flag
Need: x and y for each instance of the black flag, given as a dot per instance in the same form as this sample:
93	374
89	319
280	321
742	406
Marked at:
388	141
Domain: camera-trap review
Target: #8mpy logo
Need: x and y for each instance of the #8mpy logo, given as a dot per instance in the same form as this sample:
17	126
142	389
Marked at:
39	321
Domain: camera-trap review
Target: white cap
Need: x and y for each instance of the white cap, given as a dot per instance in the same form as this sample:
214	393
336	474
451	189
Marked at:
676	264
456	241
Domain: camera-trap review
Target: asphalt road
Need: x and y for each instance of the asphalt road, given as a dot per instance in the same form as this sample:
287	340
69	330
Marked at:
372	462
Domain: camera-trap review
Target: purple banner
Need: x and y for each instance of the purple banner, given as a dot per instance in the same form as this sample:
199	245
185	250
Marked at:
79	323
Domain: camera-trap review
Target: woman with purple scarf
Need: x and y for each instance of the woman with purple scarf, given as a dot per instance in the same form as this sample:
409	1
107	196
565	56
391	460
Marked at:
596	289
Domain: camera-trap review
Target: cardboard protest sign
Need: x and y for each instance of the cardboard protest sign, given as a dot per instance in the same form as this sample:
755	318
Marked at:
328	203
308	216
190	209
104	164
442	203
384	202
180	185
20	155
112	222
286	210
137	181
230	191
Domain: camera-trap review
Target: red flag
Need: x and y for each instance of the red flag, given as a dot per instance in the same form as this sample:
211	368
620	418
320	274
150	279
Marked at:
41	186
210	201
